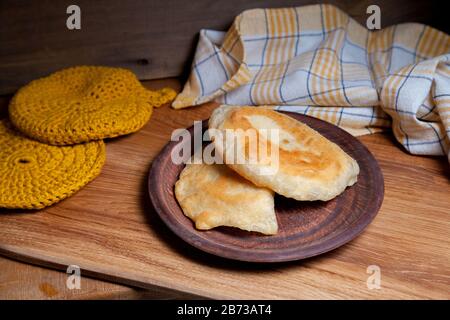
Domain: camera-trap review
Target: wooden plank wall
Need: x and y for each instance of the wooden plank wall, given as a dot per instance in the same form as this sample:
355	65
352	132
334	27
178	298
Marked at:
155	39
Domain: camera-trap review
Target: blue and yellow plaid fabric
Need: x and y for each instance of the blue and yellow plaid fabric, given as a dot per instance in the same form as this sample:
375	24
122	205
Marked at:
316	60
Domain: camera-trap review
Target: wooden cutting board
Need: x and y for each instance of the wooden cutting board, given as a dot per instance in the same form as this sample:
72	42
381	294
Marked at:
109	229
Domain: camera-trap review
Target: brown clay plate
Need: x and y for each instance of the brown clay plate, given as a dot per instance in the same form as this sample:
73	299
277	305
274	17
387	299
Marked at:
306	229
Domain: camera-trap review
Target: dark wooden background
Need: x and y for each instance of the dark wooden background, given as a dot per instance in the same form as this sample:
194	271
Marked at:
155	39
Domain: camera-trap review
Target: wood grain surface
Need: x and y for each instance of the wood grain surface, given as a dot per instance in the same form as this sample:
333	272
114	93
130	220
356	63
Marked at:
110	230
305	228
22	281
155	39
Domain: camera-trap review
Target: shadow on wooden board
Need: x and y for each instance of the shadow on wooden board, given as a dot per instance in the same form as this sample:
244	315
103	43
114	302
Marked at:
155	39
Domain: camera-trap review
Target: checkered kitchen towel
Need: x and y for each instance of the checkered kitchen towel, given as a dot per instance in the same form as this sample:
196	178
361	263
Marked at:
318	61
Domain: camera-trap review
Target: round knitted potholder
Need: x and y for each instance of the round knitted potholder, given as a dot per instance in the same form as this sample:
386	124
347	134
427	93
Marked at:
34	175
84	103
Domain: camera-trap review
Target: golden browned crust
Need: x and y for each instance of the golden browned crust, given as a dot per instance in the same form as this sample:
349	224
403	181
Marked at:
310	166
214	195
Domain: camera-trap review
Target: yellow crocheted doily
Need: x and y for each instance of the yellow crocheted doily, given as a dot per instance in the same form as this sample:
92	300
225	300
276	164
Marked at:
84	103
34	175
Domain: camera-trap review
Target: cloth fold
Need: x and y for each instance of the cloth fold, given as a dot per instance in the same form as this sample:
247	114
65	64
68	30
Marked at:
318	61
